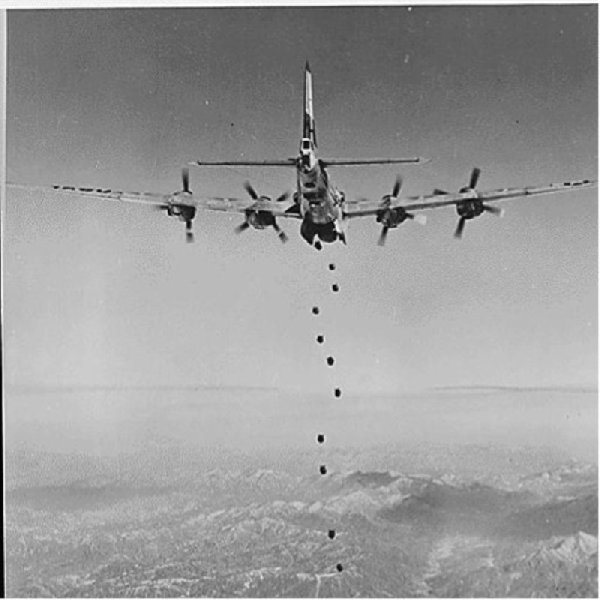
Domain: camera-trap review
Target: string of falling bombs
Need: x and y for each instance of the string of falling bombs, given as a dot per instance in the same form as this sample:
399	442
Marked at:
337	392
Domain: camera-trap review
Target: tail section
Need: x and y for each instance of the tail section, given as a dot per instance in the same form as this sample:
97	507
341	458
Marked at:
309	131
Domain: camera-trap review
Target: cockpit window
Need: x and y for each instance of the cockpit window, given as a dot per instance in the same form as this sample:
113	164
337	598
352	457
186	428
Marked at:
305	144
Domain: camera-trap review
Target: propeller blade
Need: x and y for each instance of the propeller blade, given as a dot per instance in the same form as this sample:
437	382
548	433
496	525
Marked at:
189	234
185	176
498	212
250	190
397	186
283	197
475	173
438	192
383	235
420	219
242	227
459	228
282	236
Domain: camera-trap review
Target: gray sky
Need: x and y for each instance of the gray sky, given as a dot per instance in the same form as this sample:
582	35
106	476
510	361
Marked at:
101	294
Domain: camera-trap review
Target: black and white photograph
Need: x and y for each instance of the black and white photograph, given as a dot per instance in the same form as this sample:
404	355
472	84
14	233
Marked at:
300	301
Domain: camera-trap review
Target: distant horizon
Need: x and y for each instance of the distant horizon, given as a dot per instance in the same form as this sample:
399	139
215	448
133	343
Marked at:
567	387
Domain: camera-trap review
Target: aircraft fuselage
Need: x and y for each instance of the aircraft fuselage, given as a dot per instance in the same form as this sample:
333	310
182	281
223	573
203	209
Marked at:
319	201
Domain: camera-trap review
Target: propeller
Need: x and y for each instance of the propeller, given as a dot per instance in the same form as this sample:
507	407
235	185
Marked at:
387	201
397	187
242	227
420	219
280	232
189	234
395	190
248	187
471	208
254	194
392	217
184	210
475	173
459	228
185	176
188	214
261	218
494	210
383	235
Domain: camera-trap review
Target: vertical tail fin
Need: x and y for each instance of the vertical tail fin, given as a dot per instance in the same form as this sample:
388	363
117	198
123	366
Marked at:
309	130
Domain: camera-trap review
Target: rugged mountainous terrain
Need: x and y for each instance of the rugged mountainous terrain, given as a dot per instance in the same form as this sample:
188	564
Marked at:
191	523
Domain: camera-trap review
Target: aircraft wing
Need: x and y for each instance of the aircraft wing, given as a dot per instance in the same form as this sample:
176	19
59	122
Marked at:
238	205
351	162
149	198
241	205
365	208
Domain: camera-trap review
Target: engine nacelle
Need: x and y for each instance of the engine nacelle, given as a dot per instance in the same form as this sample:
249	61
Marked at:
392	217
185	213
469	209
182	211
260	219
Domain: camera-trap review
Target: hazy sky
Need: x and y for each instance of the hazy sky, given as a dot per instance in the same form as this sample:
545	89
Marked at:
103	294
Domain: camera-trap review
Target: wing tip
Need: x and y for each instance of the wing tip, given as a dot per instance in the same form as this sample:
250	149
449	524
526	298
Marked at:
576	183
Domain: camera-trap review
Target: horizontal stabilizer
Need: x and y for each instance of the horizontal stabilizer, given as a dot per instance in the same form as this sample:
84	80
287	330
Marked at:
288	162
343	162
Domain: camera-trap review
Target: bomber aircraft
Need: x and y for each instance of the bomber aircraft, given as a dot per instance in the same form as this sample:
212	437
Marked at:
320	206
